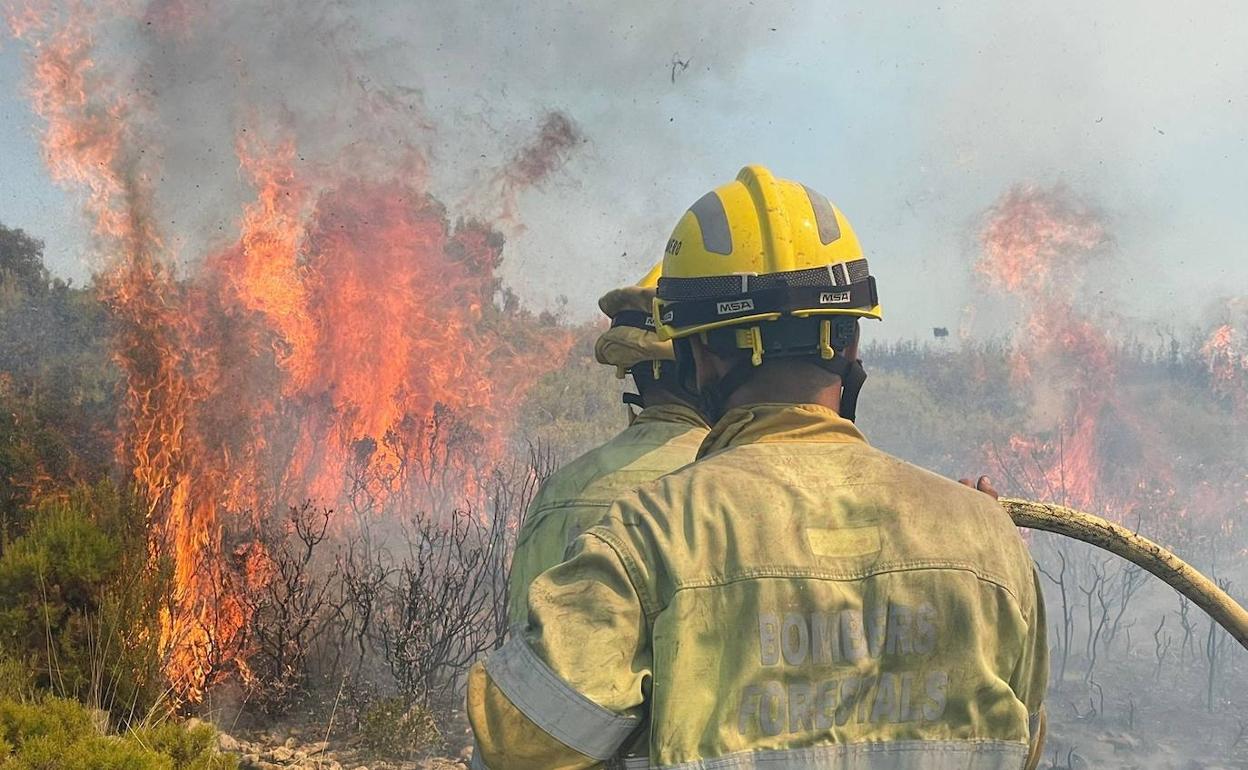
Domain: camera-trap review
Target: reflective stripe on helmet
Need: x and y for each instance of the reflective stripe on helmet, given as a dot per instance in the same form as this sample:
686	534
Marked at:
884	755
825	217
551	704
713	222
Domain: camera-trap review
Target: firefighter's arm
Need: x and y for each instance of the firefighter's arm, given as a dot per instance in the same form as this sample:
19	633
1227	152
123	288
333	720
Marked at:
533	554
1033	678
565	691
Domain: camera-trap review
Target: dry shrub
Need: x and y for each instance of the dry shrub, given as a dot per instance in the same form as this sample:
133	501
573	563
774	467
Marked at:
394	729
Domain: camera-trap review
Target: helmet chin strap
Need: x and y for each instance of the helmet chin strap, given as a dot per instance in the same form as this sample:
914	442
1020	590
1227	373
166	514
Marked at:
714	396
852	378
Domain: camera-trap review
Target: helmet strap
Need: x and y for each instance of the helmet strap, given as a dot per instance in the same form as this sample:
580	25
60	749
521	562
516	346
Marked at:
665	375
714	397
852	378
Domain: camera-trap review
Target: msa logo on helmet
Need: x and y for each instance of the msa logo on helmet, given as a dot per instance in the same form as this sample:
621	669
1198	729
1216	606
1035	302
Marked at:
734	306
834	298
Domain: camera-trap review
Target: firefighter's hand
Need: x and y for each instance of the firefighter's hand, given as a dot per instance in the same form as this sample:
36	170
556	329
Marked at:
983	485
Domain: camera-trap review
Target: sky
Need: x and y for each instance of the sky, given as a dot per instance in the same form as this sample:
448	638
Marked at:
913	117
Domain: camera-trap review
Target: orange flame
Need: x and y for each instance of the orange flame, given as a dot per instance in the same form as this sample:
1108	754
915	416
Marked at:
1036	244
311	357
1226	355
1090	445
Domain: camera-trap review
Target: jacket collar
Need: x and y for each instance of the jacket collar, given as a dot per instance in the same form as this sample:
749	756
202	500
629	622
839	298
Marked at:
677	413
773	423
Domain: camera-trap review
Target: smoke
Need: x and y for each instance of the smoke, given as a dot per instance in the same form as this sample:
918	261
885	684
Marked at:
1134	113
914	118
474	102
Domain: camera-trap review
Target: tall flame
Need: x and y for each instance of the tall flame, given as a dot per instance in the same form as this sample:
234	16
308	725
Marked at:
309	359
1036	246
1091	442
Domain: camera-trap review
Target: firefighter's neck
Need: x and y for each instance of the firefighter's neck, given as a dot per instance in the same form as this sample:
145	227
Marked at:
775	381
788	381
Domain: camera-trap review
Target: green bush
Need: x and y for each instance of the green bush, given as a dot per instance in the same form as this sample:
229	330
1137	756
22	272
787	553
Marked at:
191	748
51	581
58	734
16	681
79	602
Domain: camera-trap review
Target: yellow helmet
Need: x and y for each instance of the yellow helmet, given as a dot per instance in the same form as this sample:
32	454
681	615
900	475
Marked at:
651	279
757	236
631	340
770	266
632	345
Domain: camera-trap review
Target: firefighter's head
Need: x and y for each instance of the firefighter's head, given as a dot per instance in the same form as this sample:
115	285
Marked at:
764	280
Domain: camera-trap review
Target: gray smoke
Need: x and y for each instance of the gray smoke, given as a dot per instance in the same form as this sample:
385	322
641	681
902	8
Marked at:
452	95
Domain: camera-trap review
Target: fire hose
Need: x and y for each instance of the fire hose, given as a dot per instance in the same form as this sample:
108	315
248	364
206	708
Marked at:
1138	550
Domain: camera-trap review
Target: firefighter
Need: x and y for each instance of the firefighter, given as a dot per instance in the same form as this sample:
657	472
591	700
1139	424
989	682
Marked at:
794	598
662	437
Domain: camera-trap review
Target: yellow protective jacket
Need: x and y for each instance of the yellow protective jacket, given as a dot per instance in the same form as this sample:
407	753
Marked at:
794	599
664	437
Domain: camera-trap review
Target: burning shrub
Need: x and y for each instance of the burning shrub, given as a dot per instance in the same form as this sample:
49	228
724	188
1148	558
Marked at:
290	602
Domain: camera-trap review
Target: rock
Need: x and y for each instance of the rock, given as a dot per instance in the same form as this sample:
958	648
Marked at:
227	742
290	743
282	754
316	748
1120	741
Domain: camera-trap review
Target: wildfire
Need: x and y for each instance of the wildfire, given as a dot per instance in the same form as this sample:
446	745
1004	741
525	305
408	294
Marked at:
1091	443
314	358
1036	246
1226	355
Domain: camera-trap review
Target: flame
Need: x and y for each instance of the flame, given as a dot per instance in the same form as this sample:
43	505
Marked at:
316	357
1036	246
1226	356
1090	444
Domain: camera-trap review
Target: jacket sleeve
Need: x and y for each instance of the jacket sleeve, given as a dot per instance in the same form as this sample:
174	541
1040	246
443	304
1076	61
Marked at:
566	690
529	553
1033	676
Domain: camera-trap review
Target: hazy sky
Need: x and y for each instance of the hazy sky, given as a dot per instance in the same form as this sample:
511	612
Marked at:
912	117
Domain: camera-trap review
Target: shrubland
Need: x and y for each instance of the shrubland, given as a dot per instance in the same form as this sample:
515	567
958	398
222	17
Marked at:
367	628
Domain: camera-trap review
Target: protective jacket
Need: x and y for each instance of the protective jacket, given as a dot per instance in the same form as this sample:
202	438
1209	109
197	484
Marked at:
661	439
794	599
